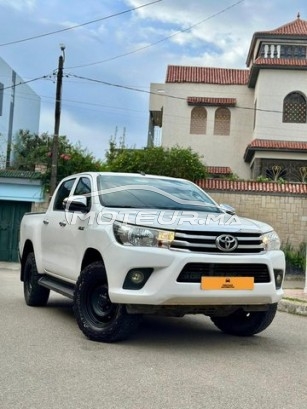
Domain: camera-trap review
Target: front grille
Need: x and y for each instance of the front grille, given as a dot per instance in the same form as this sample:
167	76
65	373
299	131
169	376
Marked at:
205	242
192	272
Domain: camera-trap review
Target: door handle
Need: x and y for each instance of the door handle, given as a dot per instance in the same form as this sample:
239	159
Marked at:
46	221
62	224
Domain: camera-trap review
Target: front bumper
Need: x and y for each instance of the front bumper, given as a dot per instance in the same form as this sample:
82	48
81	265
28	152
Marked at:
162	287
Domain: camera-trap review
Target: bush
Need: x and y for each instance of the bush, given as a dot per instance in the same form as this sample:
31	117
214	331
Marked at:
175	161
295	258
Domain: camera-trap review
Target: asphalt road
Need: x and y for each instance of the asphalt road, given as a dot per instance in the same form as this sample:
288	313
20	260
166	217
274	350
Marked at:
46	362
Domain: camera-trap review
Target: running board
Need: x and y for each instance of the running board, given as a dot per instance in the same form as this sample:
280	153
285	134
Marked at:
59	286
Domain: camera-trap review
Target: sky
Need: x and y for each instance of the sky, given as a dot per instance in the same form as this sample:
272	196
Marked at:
114	49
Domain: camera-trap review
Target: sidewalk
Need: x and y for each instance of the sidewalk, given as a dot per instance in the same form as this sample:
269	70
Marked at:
294	300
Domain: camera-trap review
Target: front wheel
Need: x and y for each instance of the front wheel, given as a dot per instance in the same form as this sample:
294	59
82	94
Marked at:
35	295
98	318
244	323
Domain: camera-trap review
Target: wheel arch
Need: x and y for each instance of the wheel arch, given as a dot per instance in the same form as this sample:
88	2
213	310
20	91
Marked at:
90	256
27	249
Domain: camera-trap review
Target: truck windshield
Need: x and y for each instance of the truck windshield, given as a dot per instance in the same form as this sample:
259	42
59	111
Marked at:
139	192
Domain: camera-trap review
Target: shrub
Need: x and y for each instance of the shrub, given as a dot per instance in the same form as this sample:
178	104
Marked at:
295	258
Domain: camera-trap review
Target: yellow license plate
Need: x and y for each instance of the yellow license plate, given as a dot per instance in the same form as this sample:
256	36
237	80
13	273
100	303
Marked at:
227	283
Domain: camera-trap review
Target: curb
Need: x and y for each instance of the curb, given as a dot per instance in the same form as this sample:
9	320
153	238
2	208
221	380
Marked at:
293	306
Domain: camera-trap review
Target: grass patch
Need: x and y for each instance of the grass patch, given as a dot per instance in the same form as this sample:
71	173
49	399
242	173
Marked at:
295	299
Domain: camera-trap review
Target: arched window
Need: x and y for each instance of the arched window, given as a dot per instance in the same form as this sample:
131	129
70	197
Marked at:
294	108
198	123
222	121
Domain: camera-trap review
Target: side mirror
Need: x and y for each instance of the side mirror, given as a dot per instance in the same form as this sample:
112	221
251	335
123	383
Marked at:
76	204
228	209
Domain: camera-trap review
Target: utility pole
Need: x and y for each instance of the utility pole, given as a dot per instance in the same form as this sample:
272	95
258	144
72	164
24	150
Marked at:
57	117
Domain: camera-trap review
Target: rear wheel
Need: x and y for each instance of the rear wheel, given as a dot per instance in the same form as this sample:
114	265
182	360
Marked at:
246	323
98	318
35	295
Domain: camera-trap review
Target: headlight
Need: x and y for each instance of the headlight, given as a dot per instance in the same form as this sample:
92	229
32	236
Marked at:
129	235
271	241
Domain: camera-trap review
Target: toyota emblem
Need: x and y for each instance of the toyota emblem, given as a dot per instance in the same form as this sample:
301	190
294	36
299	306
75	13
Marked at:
225	242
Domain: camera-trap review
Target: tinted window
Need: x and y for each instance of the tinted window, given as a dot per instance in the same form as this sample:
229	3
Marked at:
84	188
140	192
63	192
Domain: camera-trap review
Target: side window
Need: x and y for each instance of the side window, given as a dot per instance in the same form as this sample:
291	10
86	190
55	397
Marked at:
84	188
62	193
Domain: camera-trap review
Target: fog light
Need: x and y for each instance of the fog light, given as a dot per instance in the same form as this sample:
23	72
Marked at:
279	276
137	278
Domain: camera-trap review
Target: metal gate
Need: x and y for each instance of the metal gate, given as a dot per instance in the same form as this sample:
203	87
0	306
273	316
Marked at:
11	213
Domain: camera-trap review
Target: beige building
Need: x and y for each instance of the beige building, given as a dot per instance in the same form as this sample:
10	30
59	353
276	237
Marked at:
250	122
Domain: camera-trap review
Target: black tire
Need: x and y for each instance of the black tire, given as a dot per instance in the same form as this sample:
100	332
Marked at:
35	295
244	323
98	318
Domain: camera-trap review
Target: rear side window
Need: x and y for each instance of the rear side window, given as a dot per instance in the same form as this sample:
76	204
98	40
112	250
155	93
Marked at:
63	192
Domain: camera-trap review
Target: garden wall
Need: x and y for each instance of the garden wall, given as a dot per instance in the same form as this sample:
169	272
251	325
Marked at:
284	206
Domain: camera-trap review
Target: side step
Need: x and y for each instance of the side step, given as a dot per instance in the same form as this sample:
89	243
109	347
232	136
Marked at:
59	286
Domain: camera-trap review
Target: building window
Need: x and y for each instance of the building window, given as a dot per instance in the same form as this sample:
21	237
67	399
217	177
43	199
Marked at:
1	97
222	121
198	121
293	51
294	108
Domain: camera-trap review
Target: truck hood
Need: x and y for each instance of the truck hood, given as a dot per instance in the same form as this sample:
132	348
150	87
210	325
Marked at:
186	220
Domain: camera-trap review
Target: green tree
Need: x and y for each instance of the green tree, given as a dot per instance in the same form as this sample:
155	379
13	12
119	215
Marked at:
31	149
175	161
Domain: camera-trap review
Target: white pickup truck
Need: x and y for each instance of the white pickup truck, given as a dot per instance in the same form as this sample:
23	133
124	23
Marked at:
124	245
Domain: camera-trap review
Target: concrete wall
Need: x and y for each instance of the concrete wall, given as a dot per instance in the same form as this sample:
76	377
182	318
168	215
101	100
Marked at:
286	213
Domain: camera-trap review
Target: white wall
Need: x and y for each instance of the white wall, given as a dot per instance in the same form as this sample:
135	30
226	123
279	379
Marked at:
272	87
216	150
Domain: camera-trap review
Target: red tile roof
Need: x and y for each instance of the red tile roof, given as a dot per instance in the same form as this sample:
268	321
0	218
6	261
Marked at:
293	62
268	144
296	27
211	101
206	75
272	144
253	186
219	170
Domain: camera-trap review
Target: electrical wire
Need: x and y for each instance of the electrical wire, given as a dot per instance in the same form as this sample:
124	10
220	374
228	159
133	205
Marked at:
79	25
24	82
133	89
163	95
161	40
